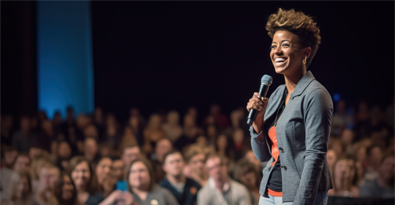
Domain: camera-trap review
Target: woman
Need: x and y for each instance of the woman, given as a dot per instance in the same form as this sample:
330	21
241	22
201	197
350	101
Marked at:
293	125
65	191
103	168
63	155
142	189
23	193
195	169
153	133
83	176
172	127
109	183
37	164
342	179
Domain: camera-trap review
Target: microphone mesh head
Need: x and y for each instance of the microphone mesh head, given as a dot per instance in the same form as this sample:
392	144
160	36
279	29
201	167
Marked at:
267	80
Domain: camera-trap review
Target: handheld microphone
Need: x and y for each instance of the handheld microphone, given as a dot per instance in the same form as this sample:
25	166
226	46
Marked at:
266	81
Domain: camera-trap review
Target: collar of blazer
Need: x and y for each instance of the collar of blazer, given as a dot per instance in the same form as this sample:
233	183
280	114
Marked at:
300	87
302	84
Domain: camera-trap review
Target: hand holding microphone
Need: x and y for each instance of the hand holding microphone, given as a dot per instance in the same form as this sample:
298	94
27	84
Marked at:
256	106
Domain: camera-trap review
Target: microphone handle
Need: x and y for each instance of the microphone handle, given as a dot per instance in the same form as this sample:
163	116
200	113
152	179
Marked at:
262	93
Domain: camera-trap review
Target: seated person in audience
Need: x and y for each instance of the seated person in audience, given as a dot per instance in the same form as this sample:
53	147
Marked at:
37	163
10	154
22	192
83	176
48	176
130	153
103	168
194	158
8	181
163	146
22	162
109	183
172	127
331	158
152	133
142	189
91	150
250	156
25	137
246	174
35	150
63	155
220	188
117	168
183	188
342	179
65	191
383	185
375	155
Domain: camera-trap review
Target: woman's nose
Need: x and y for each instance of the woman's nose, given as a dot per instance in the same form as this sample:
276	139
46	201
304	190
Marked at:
278	50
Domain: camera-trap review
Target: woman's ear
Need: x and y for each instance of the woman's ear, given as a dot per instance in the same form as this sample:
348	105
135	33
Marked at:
307	52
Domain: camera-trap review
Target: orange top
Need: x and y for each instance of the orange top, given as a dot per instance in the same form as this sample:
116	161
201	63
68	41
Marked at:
275	153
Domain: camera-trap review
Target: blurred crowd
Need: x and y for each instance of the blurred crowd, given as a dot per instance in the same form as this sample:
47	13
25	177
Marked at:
169	158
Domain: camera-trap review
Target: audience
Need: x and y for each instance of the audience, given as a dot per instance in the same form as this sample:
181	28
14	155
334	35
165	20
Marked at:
79	160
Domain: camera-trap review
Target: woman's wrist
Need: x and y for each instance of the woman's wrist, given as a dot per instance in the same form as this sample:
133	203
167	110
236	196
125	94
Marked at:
257	127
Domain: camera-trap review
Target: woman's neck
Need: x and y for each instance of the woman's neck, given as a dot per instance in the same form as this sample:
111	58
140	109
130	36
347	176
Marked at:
141	193
342	185
291	80
81	189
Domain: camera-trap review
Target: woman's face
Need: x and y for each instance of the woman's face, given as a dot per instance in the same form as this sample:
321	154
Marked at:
22	187
81	174
67	188
342	169
109	182
64	150
103	168
331	157
222	142
238	136
361	154
197	163
286	53
139	175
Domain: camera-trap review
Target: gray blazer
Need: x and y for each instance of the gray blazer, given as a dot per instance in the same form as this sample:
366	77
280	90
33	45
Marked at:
303	131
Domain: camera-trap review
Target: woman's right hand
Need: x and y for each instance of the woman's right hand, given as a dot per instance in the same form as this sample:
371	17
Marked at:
260	106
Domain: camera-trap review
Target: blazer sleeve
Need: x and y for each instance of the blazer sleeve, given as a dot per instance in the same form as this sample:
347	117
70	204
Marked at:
318	110
259	145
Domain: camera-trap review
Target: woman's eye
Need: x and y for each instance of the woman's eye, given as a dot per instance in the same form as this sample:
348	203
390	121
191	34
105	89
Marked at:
285	45
273	47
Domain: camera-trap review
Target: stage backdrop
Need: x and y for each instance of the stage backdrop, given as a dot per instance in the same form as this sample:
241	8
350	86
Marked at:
64	57
172	55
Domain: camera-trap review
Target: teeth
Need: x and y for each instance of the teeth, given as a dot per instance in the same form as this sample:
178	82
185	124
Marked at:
279	59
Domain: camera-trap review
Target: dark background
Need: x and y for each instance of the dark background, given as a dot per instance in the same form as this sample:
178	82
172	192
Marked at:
173	55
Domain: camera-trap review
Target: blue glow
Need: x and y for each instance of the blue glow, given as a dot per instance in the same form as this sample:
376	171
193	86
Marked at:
64	57
336	97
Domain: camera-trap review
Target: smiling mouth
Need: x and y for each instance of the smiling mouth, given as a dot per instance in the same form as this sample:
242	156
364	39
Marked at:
281	62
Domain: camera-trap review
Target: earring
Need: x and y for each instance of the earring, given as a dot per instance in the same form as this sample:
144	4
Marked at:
304	61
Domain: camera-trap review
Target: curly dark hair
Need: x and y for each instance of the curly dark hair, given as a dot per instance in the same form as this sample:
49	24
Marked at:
299	24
